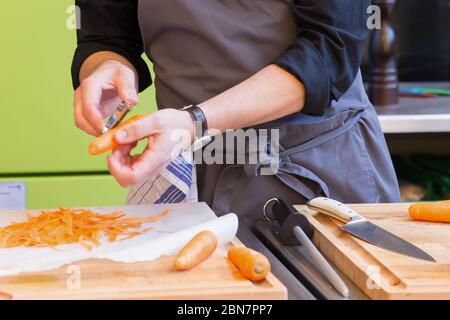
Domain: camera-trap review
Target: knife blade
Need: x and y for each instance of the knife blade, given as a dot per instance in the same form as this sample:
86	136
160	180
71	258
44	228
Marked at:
360	227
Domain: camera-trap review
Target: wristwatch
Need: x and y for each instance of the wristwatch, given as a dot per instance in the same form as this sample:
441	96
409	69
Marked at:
201	136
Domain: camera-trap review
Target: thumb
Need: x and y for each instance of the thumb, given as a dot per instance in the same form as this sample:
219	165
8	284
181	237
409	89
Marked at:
136	131
126	88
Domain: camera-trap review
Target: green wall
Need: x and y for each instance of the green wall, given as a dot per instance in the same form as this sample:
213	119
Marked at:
37	130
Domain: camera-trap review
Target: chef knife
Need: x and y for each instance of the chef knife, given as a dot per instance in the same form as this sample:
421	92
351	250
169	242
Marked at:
360	227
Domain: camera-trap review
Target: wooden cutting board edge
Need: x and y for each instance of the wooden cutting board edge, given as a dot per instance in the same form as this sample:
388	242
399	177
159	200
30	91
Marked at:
182	294
324	243
269	289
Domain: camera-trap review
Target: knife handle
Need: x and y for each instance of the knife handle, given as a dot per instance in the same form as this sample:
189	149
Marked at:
334	209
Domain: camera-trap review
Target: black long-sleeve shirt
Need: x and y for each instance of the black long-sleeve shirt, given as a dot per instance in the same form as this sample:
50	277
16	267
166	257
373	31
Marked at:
325	57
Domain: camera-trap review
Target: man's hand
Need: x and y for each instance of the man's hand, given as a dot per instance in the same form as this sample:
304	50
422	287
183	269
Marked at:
168	132
99	94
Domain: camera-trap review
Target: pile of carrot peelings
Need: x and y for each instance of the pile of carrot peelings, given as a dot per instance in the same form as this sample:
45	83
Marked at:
65	226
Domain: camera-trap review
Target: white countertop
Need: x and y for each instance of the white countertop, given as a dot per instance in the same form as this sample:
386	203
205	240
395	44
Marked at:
417	115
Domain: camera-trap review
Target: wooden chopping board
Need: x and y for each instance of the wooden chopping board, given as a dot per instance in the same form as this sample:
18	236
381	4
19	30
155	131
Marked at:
216	278
382	274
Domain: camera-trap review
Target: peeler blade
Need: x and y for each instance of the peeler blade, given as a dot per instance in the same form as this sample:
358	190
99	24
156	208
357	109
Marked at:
117	116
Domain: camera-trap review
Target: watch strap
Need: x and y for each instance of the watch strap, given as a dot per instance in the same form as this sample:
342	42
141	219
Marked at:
198	116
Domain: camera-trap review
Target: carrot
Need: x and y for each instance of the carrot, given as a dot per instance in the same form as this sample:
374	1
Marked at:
200	248
5	296
431	211
252	264
107	142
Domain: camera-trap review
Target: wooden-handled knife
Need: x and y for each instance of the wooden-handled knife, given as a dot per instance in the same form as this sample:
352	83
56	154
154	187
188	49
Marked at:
360	227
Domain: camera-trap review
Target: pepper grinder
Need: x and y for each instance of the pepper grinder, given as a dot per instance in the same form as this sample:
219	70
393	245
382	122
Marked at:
383	81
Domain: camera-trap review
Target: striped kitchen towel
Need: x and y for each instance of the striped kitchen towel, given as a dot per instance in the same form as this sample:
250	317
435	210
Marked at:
176	183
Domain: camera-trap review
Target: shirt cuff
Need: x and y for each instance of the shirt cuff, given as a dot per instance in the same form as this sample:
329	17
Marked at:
304	61
84	50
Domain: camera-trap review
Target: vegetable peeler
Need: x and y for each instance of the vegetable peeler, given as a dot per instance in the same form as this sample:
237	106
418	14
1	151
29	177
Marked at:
117	116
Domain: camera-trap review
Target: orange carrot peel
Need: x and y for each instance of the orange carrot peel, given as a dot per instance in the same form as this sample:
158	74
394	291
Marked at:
66	226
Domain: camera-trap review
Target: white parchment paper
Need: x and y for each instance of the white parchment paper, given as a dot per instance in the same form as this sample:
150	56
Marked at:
170	234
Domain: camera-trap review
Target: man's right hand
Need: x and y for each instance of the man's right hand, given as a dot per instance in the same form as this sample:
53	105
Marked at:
100	92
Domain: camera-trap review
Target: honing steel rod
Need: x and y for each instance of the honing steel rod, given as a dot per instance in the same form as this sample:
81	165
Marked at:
321	262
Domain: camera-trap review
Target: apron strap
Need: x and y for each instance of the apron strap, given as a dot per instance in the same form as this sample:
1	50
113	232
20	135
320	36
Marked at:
348	125
292	174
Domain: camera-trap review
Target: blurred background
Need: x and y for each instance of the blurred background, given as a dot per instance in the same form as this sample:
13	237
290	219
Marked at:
422	48
43	157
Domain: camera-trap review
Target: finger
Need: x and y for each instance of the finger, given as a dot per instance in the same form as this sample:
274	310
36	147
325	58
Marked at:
137	130
123	152
148	164
119	164
91	97
126	86
130	171
110	101
80	121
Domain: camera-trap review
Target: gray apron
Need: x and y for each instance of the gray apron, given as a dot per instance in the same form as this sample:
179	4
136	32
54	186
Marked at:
201	48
